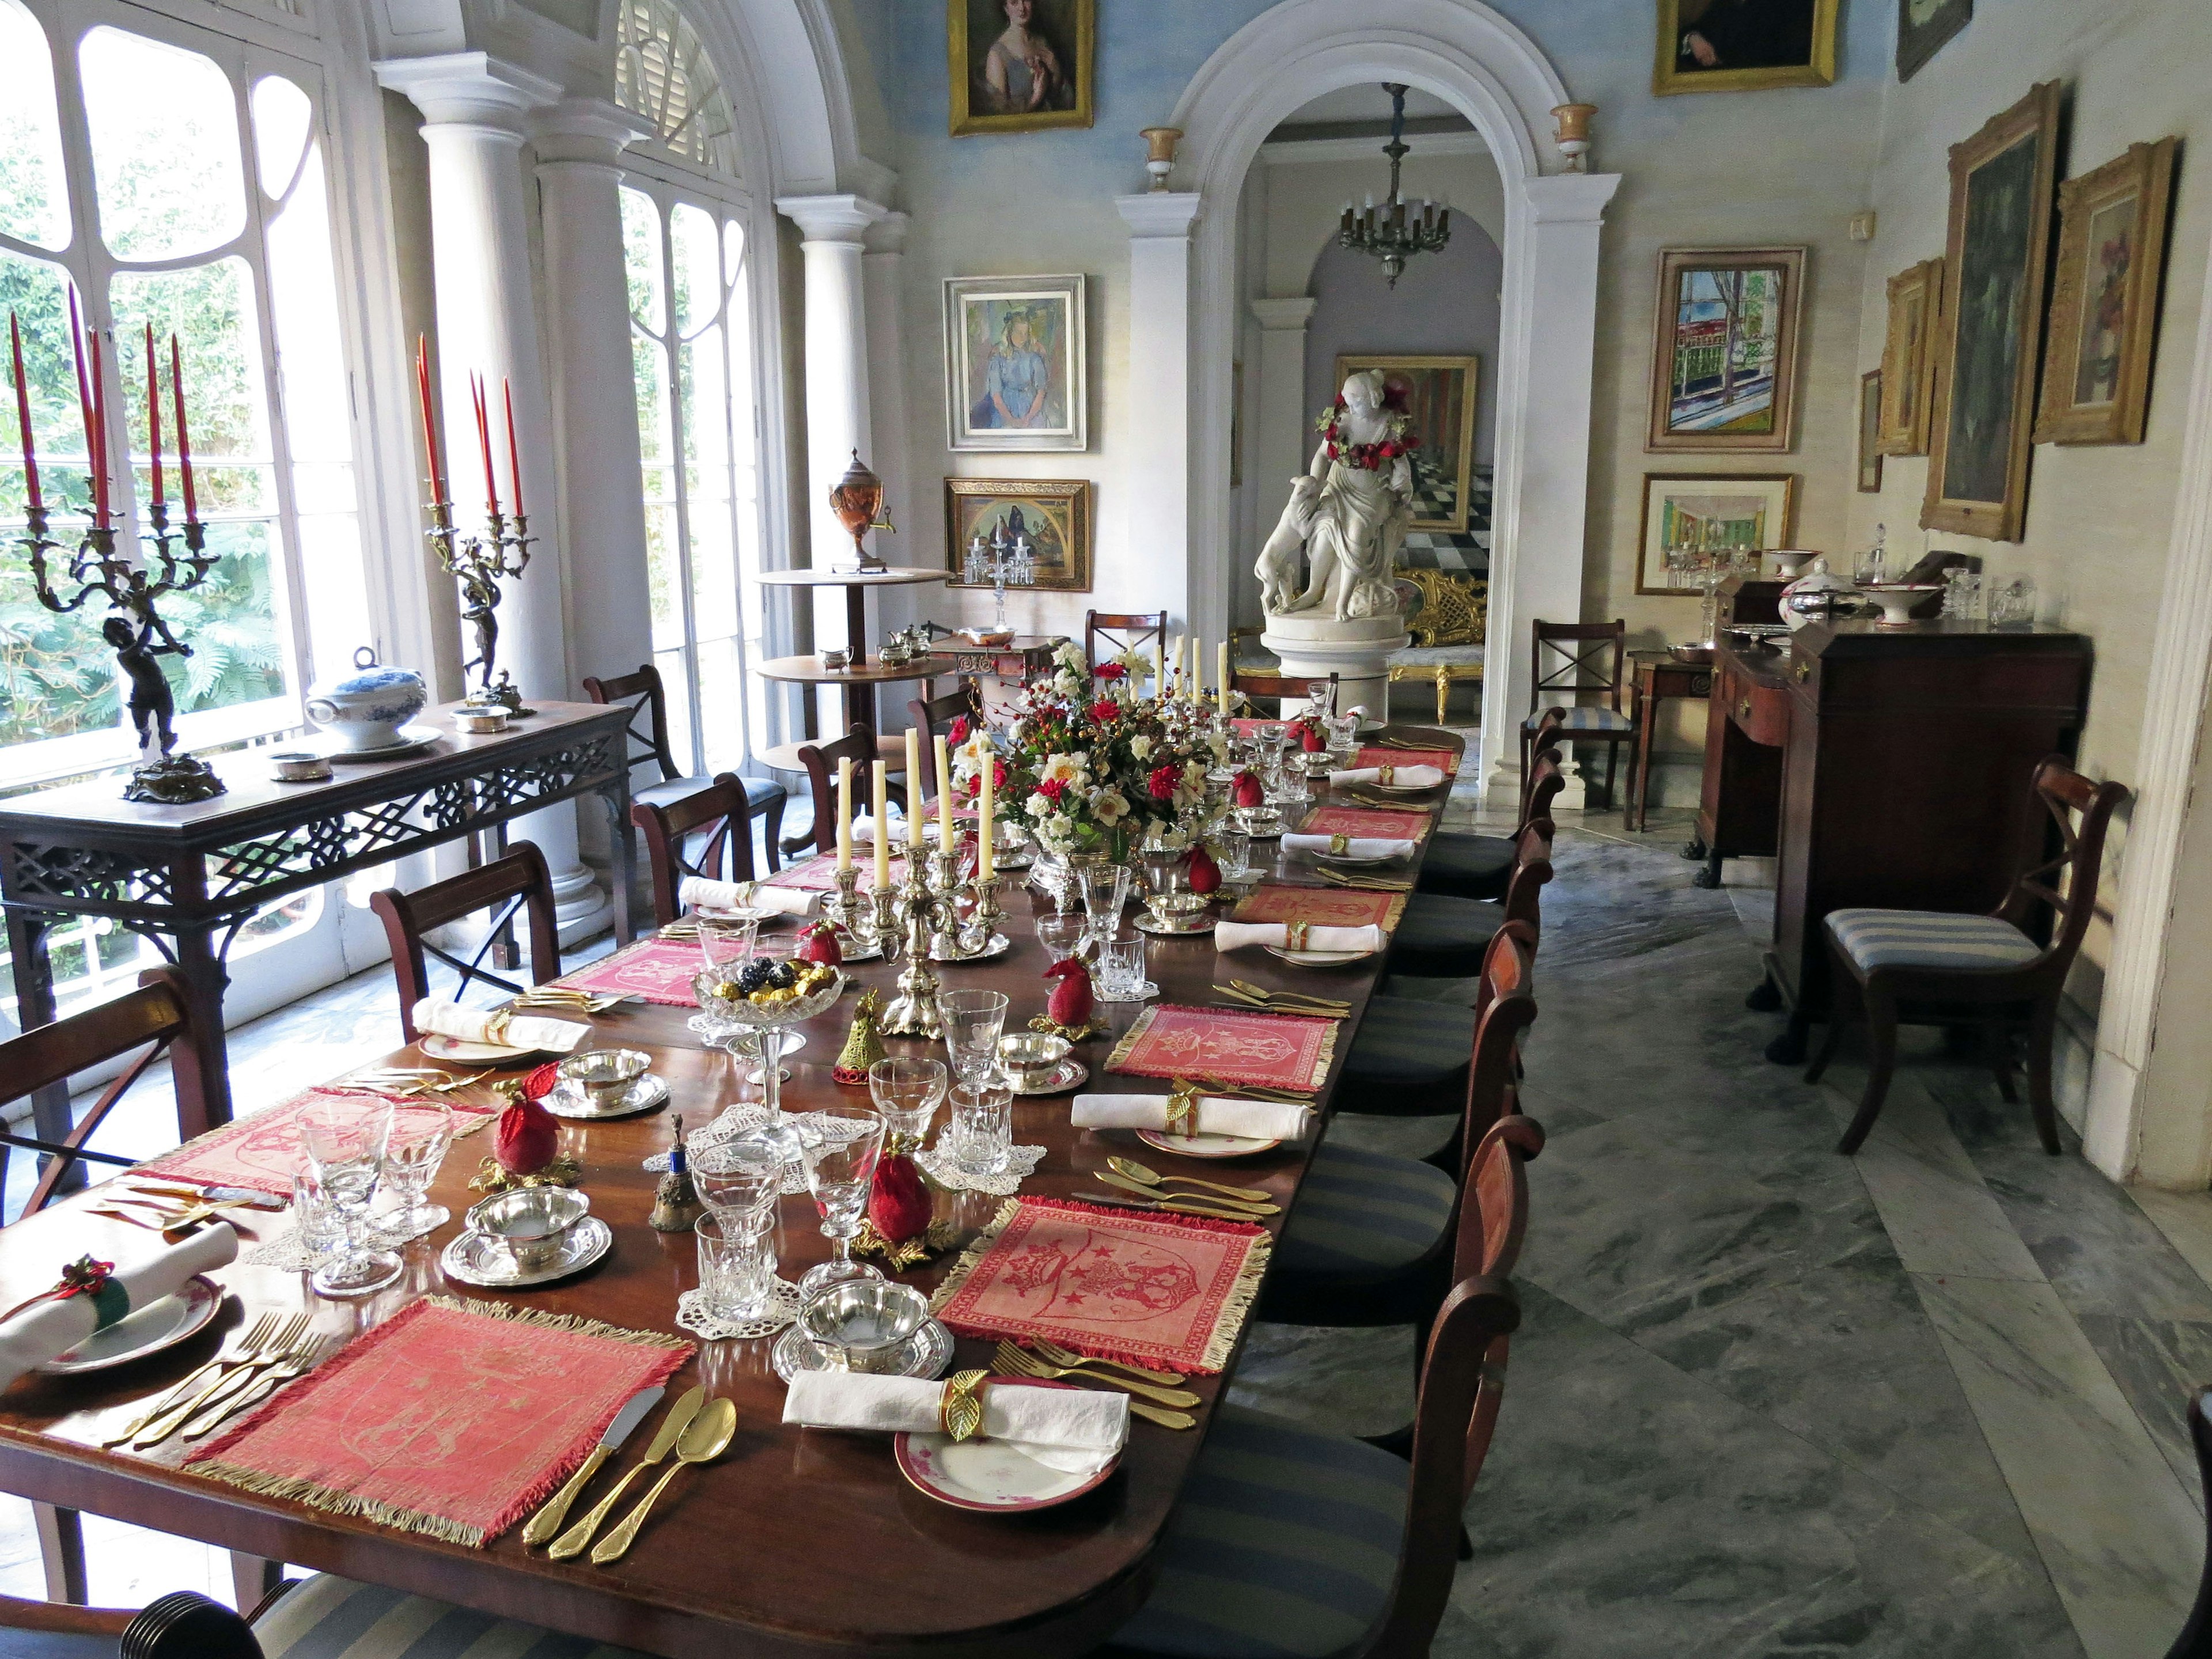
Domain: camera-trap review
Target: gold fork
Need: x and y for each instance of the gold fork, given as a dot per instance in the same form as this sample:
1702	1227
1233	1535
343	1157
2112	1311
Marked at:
306	1351
1372	884
262	1329
1283	998
273	1347
1060	1356
1025	1364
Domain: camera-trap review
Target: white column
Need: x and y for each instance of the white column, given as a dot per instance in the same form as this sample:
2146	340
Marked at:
1536	551
474	108
1155	570
882	283
1279	440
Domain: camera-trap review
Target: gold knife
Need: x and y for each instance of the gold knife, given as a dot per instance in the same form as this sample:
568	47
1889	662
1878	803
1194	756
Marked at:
573	1541
547	1521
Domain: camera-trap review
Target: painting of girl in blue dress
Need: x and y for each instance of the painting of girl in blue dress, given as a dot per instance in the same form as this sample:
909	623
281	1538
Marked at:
1015	376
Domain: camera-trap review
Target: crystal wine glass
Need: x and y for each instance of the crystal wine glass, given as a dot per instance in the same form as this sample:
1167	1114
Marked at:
344	1140
840	1172
907	1091
974	1021
411	1158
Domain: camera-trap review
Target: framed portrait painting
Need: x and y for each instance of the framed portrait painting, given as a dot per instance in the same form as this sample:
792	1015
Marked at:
1870	432
1052	515
1744	45
1988	338
1923	29
1686	510
1724	353
1014	363
1915	297
2104	299
1020	65
1439	393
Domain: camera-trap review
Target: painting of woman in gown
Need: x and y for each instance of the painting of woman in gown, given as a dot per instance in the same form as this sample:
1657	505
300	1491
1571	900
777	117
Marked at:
1019	65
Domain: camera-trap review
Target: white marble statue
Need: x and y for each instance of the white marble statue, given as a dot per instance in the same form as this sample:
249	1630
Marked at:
1348	512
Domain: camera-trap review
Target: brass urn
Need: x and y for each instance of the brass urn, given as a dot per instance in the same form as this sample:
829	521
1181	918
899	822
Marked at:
858	501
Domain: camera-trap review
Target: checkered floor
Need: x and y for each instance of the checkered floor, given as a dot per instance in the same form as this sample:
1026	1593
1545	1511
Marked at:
1463	552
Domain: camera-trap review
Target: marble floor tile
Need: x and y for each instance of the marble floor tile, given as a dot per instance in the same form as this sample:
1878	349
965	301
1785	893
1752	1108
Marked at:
2158	1364
2185	1218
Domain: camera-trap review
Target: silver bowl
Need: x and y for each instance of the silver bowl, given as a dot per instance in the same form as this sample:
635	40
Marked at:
1031	1056
605	1074
530	1221
864	1322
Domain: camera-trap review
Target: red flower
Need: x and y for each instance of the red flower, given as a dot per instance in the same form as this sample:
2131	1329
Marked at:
1104	709
997	774
1162	783
1052	789
1108	671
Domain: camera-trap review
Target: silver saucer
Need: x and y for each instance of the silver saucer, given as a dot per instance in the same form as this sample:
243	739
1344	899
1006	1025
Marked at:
999	946
1144	924
926	1353
479	1259
1070	1073
1006	863
567	1099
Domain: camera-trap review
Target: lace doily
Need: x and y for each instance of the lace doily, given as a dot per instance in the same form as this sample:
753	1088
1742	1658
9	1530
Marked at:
693	1316
287	1254
815	1126
937	1164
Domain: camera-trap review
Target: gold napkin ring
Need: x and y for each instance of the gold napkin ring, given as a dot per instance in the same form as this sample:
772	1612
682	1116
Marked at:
1386	775
1294	934
1182	1110
496	1027
960	1406
1339	845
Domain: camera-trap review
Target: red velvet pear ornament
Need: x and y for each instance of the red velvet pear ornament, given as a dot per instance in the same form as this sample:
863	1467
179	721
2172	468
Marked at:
527	1137
1070	1004
1246	792
1310	737
899	1203
819	944
1205	873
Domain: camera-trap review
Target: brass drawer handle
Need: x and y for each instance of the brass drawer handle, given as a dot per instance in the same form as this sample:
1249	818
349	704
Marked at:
1743	709
1804	671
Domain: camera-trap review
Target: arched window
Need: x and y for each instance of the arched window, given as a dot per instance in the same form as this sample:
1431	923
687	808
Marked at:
663	73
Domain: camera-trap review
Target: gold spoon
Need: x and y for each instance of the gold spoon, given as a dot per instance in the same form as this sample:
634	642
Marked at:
679	1417
706	1439
1151	1190
1136	1172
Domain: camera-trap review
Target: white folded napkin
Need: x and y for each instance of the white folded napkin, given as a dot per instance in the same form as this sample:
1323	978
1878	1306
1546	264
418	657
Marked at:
475	1025
1234	935
48	1330
1074	1430
1252	1119
1401	777
697	893
1357	847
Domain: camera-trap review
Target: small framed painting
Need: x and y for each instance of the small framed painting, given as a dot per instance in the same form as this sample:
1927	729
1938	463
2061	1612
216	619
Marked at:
1923	29
1020	65
1724	358
1870	432
1701	510
1744	45
1916	296
1438	393
1052	515
2104	299
1014	363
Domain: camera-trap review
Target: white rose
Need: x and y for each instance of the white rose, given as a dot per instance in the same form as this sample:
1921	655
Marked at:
1140	746
1039	808
1061	768
1109	807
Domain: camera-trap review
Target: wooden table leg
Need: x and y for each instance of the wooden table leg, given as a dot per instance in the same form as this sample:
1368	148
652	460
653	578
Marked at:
1647	707
206	978
623	856
34	1005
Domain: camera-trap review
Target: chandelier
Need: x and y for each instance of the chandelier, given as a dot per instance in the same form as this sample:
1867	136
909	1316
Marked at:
1391	233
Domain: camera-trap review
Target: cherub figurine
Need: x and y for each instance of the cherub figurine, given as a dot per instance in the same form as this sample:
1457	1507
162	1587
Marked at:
153	705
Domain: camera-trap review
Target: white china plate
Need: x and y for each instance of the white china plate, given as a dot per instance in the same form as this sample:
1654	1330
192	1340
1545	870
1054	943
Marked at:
926	1353
479	1259
568	1099
1317	958
1068	1074
1205	1145
1403	789
1144	924
461	1052
412	741
146	1330
1354	860
999	946
989	1474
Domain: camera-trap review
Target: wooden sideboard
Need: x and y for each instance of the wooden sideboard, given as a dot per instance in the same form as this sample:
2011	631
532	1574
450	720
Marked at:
1905	779
1739	796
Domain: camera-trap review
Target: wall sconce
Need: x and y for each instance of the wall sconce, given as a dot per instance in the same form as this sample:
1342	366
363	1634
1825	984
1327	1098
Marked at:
1573	134
1159	153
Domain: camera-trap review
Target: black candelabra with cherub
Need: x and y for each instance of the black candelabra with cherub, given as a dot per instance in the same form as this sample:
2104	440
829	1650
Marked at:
96	566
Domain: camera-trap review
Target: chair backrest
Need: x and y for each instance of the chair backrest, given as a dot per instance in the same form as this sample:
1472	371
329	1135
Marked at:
2194	1641
1509	965
2065	884
1494	1218
707	832
516	884
1532	868
648	716
1541	786
1504	1014
934	716
1574	657
159	1013
1120	632
820	760
182	1625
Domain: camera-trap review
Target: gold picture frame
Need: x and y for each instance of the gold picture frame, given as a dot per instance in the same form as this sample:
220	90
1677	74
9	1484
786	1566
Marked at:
1724	350
1916	300
1055	514
1767	41
1997	248
1726	498
1066	28
2104	299
1870	432
1441	394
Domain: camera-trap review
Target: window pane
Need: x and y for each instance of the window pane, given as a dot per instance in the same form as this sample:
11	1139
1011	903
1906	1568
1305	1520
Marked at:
38	293
210	308
698	276
641	256
230	622
33	198
164	128
721	705
281	113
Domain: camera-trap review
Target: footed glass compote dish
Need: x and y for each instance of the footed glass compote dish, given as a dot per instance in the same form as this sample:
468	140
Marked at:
732	1004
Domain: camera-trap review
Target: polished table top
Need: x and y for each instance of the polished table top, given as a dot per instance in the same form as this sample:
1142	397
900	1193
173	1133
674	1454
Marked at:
794	1541
808	671
897	575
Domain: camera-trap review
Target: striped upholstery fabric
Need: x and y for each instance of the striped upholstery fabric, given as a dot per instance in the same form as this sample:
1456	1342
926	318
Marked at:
1586	720
1467	867
1363	1214
326	1617
1406	1049
1284	1546
1929	938
1440	937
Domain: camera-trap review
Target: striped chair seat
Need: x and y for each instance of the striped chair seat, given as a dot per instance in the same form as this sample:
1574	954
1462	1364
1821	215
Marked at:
1467	867
1283	1545
326	1617
1440	937
1929	938
1586	720
1363	1214
1408	1049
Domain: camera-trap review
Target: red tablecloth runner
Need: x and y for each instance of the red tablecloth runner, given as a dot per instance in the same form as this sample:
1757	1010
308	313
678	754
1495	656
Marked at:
262	1152
819	873
1263	1051
1246	727
1323	907
1373	756
454	1419
658	969
1113	1283
1360	821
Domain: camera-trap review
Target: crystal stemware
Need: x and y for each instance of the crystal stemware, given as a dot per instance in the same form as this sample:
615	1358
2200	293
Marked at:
411	1159
344	1141
840	1172
974	1021
739	1179
907	1091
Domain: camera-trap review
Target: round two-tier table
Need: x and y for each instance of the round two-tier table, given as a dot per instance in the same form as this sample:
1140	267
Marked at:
860	681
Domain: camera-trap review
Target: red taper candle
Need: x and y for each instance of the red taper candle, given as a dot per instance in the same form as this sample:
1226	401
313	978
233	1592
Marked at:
183	436
513	455
83	392
154	413
99	436
484	442
429	417
23	417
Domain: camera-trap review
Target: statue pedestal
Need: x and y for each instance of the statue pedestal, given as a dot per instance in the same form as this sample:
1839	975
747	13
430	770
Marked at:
1312	647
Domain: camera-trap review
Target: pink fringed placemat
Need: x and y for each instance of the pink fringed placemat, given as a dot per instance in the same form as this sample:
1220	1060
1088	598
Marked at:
1113	1283
1359	821
454	1419
1223	1045
819	873
262	1152
658	969
1373	755
1320	906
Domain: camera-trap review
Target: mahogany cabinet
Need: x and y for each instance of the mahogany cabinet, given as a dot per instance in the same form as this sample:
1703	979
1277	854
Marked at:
1739	796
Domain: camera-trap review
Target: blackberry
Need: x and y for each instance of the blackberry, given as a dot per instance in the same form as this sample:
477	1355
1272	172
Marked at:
781	977
754	976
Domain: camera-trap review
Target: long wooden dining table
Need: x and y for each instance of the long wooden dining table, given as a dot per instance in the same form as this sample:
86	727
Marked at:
795	1542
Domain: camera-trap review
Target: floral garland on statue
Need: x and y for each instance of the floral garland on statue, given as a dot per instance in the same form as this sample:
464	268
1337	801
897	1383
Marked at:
1397	438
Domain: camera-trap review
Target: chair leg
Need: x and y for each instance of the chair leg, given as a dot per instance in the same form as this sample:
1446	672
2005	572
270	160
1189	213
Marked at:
1829	1044
773	831
252	1578
1996	1038
61	1551
2041	1031
1881	1061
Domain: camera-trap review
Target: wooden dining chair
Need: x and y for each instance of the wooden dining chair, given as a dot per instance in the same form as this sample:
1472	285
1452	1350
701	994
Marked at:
705	833
649	734
934	717
1464	864
517	885
1411	1055
2194	1641
1110	634
184	1625
1440	937
820	760
1573	658
1940	967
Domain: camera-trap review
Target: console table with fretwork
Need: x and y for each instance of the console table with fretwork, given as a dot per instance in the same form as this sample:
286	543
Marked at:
189	877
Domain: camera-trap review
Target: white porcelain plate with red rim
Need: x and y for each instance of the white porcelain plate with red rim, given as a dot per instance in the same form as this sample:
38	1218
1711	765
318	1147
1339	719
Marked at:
1316	958
143	1331
990	1474
458	1052
1204	1145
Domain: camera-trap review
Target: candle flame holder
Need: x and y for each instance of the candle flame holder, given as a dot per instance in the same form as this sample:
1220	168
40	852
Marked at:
480	563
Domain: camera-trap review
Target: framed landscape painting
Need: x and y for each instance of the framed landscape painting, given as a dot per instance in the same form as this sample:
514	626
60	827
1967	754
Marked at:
1724	356
1014	363
1052	514
1744	45
2104	299
1439	393
1987	341
1709	510
1020	65
1915	298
